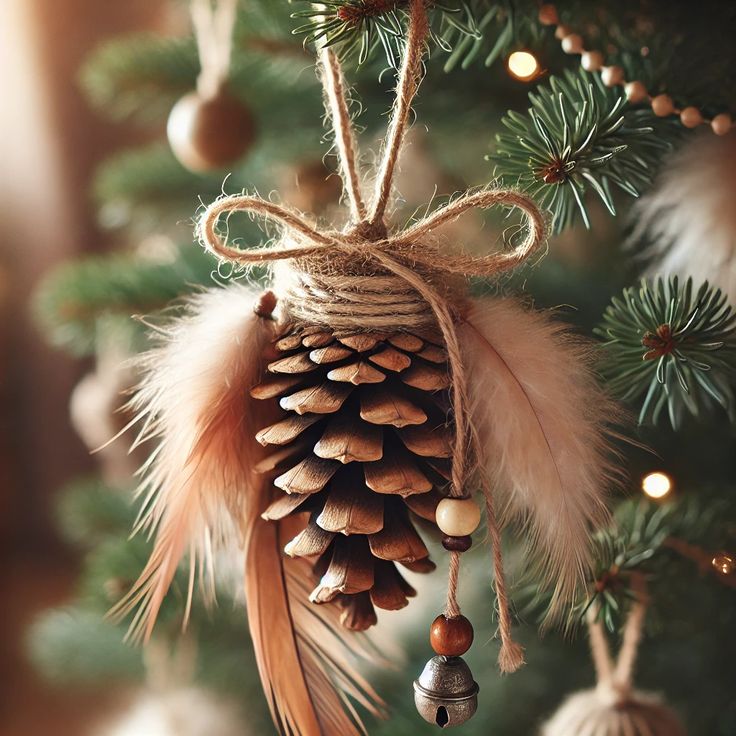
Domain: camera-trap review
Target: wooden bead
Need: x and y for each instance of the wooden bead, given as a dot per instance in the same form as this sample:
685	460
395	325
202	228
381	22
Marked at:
721	123
690	117
635	92
612	75
562	31
662	106
572	44
548	15
451	637
591	61
457	517
209	134
266	304
457	544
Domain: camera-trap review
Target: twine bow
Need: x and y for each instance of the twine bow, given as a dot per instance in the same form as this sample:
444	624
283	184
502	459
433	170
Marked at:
409	255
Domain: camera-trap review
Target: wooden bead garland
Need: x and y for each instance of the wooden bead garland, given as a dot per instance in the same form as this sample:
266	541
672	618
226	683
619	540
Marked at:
613	76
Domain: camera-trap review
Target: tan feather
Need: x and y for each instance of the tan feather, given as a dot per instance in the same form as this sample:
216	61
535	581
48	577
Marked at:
305	657
193	400
541	421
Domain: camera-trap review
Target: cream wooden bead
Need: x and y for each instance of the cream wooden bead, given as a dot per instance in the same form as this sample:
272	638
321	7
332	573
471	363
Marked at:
635	92
612	75
690	117
561	31
457	517
591	61
572	44
662	106
548	15
721	124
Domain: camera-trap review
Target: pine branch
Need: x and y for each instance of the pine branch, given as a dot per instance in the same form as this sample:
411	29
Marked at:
75	645
89	511
73	300
578	135
466	30
671	347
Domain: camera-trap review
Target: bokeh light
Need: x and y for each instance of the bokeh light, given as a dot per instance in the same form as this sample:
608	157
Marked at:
523	66
656	485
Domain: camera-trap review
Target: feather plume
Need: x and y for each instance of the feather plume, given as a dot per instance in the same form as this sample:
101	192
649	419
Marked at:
306	659
193	400
688	221
541	421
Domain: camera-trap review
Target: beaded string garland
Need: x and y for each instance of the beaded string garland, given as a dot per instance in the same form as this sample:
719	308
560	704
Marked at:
613	76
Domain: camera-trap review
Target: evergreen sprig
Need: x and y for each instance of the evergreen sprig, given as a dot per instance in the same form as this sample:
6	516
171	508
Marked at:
578	135
671	346
461	28
635	543
80	300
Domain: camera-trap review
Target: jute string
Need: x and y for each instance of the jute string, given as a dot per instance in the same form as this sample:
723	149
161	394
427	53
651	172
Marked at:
366	278
213	30
617	676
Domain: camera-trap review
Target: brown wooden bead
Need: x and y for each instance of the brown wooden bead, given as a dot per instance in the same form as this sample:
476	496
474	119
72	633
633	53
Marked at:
451	637
266	304
209	134
457	544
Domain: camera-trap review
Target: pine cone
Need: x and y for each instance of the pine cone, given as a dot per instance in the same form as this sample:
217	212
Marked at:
364	446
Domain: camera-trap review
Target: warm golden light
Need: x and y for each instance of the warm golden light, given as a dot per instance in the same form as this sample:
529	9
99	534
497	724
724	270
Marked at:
656	485
724	563
523	65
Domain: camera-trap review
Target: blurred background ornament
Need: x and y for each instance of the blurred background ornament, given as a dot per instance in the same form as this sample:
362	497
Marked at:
210	129
187	711
613	707
686	224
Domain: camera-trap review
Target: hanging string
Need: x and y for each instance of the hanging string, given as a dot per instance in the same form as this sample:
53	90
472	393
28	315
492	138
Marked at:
408	84
618	675
411	256
213	30
334	85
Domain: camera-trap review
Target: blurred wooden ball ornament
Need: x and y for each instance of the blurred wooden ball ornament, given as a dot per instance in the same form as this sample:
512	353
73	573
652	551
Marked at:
210	133
209	129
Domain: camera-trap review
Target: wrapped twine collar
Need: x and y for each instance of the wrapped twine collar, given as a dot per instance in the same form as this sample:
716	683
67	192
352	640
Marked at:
365	277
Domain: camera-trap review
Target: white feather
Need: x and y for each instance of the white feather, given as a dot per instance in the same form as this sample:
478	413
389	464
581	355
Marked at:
193	400
689	217
540	420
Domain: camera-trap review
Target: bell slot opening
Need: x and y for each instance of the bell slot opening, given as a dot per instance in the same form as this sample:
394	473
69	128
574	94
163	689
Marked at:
442	717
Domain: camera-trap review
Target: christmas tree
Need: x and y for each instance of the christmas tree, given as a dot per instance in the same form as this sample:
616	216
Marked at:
613	121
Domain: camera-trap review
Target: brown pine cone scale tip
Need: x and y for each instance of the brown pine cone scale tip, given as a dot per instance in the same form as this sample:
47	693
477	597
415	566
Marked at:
362	449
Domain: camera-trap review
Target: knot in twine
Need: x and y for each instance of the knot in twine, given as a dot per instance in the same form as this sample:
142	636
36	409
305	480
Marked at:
366	278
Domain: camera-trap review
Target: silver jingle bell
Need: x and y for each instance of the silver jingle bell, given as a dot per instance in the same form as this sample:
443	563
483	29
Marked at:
445	693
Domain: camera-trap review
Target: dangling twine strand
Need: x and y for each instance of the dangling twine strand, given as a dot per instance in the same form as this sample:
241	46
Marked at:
408	256
213	30
618	675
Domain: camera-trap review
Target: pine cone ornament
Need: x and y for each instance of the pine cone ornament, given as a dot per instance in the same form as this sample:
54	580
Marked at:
373	396
363	449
